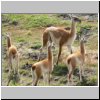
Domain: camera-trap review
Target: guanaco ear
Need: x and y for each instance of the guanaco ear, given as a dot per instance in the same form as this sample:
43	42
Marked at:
70	16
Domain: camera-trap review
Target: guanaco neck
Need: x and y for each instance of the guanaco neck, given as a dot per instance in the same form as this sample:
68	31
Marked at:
82	49
73	28
8	41
50	57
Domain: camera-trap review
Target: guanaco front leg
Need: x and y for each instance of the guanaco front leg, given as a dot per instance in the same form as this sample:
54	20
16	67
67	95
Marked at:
8	82
60	49
17	64
44	78
82	67
80	73
10	70
49	78
70	48
40	52
10	64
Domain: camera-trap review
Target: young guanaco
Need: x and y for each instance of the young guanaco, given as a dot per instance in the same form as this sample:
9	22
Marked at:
77	58
13	58
60	36
43	68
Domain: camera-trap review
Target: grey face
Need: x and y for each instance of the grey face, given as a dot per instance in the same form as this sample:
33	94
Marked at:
76	19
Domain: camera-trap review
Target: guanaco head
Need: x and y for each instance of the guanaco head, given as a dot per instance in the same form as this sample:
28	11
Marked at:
74	18
8	39
82	38
8	35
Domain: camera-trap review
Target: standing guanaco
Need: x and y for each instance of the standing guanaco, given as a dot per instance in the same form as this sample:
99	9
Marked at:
77	58
43	68
60	36
13	58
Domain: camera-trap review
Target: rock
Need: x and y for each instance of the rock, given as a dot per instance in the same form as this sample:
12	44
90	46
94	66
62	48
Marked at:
43	56
34	56
6	70
56	78
13	23
35	47
26	66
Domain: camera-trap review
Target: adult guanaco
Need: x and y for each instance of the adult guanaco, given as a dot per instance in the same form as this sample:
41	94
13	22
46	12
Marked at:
60	36
76	59
13	59
43	68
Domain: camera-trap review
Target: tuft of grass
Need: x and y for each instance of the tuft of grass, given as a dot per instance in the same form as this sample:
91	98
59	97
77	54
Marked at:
92	81
60	70
24	72
37	45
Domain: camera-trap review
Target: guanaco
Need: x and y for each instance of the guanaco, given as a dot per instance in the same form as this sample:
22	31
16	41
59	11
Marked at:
12	55
77	58
43	68
60	36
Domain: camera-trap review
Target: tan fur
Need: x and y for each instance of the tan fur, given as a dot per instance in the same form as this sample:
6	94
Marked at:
12	55
43	68
77	58
60	37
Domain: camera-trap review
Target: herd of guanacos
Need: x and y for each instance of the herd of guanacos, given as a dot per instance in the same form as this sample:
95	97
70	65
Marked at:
60	37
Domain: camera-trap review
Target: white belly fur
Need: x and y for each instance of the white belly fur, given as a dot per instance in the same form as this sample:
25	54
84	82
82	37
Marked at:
71	40
55	40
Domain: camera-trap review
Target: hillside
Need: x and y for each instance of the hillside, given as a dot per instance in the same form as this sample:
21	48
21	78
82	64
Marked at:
26	33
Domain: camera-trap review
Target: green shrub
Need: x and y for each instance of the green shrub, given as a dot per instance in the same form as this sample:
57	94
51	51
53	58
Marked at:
60	70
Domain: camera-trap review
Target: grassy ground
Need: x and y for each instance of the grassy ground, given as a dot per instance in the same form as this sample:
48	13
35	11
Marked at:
26	33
